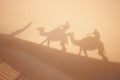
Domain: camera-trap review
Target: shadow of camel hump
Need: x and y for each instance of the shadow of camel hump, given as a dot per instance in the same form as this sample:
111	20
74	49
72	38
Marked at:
89	43
57	34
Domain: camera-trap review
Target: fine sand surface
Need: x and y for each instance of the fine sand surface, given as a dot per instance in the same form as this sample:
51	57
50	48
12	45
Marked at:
24	60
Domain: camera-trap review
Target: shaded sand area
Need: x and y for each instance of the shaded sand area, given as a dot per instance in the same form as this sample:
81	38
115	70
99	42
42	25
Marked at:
24	60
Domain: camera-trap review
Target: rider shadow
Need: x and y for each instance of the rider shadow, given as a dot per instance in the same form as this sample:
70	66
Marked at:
21	30
89	43
57	34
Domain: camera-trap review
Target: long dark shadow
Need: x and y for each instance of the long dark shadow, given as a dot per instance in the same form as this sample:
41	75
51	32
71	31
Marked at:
20	30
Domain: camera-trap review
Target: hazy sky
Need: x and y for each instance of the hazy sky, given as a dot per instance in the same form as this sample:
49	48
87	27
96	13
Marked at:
83	15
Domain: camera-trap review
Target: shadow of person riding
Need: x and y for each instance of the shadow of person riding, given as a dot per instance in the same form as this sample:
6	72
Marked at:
57	34
90	43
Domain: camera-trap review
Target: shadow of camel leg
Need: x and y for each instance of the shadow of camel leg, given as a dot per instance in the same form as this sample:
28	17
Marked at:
63	46
48	43
80	51
85	53
43	42
103	56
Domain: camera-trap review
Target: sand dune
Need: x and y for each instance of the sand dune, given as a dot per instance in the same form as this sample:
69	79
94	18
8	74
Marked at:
36	62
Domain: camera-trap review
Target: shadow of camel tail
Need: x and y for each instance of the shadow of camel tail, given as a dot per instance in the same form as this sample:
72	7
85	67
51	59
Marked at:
21	30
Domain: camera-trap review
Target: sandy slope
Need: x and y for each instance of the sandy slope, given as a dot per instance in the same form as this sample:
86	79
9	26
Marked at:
40	63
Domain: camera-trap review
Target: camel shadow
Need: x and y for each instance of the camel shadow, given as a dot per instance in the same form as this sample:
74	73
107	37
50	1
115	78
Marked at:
57	34
89	43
